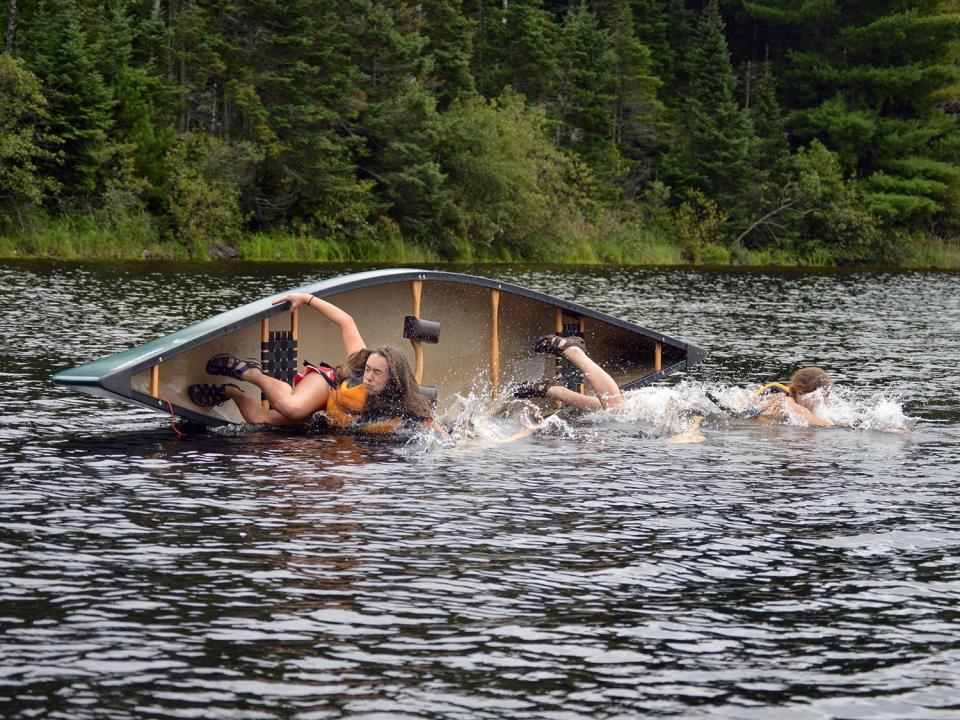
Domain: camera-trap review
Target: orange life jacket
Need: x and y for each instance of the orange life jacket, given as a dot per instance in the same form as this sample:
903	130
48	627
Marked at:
346	402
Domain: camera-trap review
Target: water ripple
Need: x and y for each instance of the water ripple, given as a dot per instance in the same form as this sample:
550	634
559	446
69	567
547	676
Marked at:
591	571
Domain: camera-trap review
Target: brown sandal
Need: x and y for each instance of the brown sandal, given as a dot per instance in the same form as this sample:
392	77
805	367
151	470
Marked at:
556	344
206	395
534	390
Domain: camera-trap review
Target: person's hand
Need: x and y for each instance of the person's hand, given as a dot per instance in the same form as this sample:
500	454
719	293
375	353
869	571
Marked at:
295	299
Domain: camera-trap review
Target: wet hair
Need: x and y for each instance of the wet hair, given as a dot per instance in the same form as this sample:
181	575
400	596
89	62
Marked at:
401	396
808	379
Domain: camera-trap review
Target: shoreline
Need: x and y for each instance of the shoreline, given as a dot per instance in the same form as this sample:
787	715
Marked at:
644	247
460	266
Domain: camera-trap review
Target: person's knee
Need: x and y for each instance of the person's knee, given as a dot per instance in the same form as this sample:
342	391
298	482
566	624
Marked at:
610	401
294	408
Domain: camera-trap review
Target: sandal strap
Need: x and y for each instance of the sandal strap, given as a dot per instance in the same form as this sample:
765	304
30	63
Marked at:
230	366
537	389
207	395
557	344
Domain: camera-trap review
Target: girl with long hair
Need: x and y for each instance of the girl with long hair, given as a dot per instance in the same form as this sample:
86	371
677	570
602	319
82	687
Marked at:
373	391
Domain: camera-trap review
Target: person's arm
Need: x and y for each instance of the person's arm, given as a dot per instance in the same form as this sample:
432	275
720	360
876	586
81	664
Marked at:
349	334
432	424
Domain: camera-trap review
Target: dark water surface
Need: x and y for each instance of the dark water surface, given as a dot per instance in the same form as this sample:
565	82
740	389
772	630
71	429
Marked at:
593	571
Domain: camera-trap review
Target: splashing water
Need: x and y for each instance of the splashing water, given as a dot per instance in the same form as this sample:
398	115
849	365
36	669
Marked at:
661	412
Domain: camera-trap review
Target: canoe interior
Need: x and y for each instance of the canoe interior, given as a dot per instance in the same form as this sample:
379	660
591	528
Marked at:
462	362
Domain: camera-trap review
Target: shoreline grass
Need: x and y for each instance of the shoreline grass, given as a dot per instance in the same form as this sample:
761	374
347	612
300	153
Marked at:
83	238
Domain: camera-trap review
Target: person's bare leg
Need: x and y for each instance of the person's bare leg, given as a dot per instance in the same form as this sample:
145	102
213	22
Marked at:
606	389
252	410
294	403
573	398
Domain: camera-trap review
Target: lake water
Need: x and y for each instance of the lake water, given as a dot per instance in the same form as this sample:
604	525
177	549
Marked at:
590	571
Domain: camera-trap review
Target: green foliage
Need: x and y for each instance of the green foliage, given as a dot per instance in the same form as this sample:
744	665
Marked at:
832	208
717	152
868	80
80	104
510	185
415	130
23	110
699	226
516	46
585	102
450	48
203	202
773	149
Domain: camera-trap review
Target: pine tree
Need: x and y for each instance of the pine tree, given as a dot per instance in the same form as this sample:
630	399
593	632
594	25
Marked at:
773	149
585	101
139	127
667	28
868	80
61	54
516	44
718	153
450	47
638	115
398	119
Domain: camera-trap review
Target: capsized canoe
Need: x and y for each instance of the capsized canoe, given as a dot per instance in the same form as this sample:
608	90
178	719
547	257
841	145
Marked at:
487	329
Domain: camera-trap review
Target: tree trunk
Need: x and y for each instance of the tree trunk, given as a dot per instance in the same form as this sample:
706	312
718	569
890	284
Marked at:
11	24
155	11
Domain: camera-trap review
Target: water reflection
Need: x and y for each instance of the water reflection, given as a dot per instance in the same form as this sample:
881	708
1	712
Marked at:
590	571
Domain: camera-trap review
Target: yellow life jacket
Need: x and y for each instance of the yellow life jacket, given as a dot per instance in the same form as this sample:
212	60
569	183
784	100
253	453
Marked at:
346	402
775	387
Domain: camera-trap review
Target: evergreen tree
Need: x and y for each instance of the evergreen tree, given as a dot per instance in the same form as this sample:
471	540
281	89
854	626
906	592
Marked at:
139	128
718	153
867	79
638	115
450	47
667	28
585	102
516	45
399	121
773	149
80	112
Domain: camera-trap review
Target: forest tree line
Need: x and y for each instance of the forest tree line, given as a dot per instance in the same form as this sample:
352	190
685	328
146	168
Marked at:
610	130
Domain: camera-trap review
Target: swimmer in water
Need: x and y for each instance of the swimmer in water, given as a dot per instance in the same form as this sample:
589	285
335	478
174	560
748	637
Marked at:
808	391
802	400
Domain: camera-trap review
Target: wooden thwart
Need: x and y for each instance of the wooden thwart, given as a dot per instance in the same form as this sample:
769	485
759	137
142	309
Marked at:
416	287
155	380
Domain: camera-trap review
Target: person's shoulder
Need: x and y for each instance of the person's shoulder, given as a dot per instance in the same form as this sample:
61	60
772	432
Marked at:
772	404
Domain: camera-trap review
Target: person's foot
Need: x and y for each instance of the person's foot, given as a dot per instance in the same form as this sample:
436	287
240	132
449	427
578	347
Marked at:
534	390
231	366
206	395
556	345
